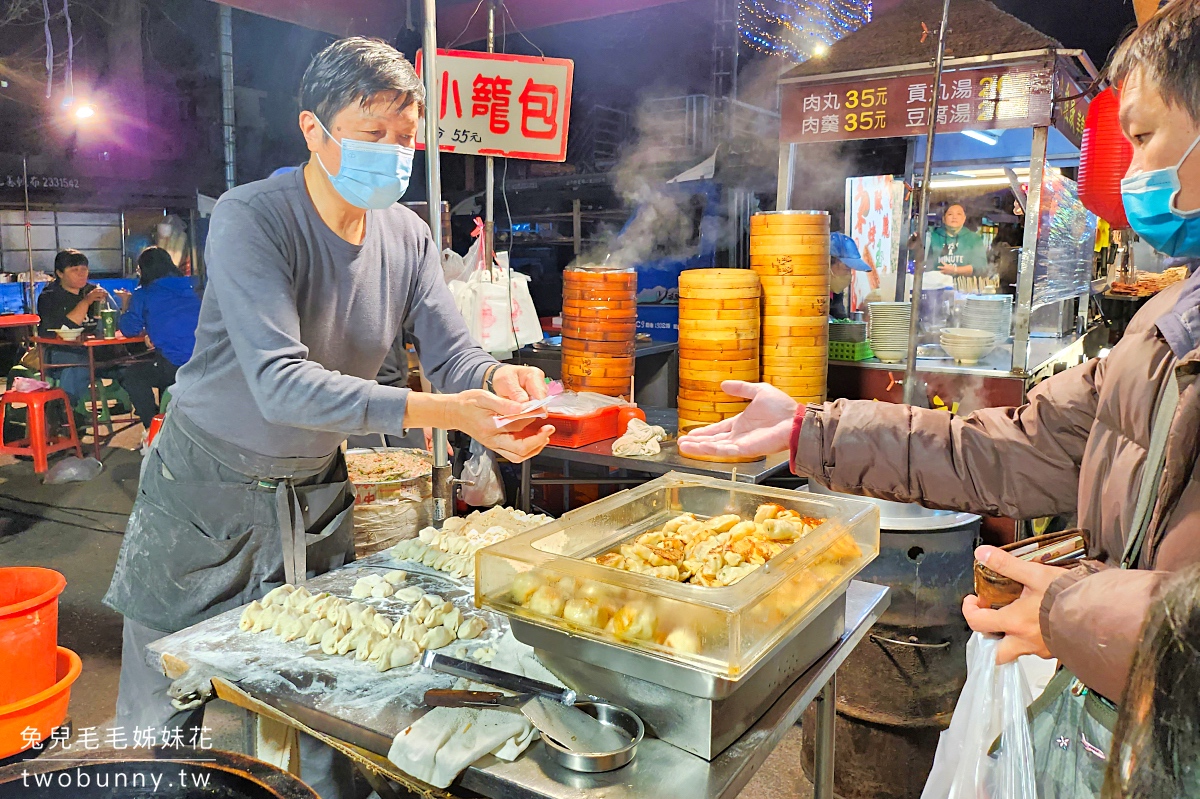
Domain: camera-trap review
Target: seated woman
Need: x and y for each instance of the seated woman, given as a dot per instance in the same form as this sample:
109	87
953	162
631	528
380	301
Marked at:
166	307
64	303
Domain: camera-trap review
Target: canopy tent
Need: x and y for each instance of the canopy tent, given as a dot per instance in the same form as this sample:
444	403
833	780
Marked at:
384	18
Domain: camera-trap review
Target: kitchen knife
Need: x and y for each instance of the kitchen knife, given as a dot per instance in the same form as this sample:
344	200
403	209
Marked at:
477	672
450	698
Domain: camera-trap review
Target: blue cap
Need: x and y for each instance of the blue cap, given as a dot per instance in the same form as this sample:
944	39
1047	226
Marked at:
843	248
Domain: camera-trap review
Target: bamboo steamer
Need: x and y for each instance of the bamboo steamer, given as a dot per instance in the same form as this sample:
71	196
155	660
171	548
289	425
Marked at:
735	326
711	407
599	325
710	397
763	248
795	284
719	339
726	315
788	220
739	354
720	293
744	304
717	278
771	266
796	306
819	241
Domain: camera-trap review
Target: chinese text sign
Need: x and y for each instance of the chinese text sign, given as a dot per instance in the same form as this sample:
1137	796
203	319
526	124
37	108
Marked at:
974	99
503	105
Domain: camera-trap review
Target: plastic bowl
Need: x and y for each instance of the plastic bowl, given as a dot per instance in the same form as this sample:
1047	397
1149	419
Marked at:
43	711
28	630
968	354
69	335
968	334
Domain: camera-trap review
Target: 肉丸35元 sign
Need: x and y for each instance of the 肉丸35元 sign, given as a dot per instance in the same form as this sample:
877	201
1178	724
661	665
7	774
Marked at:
498	104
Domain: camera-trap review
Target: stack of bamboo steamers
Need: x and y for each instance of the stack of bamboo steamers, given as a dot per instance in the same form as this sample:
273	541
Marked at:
599	323
789	252
718	340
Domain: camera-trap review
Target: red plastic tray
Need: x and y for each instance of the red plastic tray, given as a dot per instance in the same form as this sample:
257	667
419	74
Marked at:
579	431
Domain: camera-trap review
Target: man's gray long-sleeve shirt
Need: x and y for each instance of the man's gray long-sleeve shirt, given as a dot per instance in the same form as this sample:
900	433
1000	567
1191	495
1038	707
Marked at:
296	322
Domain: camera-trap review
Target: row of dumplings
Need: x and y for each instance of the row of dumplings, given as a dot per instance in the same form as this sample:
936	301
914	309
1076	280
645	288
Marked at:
452	548
341	627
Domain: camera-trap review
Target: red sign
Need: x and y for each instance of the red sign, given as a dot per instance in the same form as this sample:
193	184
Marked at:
512	106
970	99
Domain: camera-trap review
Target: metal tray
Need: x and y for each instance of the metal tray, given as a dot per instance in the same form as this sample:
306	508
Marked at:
692	709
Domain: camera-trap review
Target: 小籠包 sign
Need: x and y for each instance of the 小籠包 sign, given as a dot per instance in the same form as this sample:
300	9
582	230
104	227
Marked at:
504	105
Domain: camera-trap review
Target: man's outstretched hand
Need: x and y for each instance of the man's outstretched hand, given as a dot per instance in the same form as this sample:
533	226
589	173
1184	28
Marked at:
764	428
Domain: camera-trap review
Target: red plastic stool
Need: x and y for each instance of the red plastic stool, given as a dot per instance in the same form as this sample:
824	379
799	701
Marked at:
155	425
38	441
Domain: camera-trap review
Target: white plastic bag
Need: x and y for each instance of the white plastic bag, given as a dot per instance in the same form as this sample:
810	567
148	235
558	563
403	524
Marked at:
454	266
482	486
73	470
992	706
499	321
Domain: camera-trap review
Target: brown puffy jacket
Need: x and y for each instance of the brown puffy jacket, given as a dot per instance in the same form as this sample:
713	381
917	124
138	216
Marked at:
1078	444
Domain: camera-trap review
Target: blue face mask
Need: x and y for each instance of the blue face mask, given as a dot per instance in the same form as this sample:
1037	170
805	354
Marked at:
1150	199
373	175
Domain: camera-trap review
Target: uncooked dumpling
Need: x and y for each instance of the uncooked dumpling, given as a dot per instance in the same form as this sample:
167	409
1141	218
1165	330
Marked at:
437	613
332	608
331	638
422	608
382	625
585	613
297	598
436	638
471	628
278	595
430	557
250	615
291	629
317	629
368	639
547	601
362	589
348	642
382	590
415	632
410	594
452	620
524	586
266	619
400	653
396	577
310	604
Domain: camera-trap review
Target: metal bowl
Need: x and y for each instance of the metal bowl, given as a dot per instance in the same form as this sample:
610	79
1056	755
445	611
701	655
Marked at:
414	488
624	720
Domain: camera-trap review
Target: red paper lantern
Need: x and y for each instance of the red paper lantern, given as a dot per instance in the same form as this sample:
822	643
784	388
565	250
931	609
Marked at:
1103	160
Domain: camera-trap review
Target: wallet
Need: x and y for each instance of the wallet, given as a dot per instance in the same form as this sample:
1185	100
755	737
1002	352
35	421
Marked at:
1053	549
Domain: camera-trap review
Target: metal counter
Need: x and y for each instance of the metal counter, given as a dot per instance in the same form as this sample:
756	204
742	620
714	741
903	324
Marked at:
669	460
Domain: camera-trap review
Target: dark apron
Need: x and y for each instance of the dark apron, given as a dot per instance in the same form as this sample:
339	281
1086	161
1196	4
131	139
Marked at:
208	528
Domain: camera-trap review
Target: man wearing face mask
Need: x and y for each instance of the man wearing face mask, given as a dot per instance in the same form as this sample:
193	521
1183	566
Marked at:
1115	439
844	261
312	275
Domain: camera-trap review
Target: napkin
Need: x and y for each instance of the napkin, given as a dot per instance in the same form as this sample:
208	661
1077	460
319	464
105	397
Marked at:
441	744
640	439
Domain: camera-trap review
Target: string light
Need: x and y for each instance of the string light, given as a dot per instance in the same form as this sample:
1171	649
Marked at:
799	29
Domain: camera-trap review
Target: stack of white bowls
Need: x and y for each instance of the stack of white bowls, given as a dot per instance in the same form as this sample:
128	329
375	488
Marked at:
988	312
967	346
889	330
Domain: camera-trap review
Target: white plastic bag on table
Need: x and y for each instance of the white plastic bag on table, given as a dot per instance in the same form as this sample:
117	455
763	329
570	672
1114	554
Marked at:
482	486
992	706
500	320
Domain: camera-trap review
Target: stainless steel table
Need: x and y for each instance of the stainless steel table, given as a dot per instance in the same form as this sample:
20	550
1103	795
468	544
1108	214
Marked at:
660	771
669	460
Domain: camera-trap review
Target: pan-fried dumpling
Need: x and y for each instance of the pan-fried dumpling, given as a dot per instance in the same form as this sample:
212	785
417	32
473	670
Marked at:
636	621
524	586
683	639
394	578
436	638
250	615
585	613
471	628
548	601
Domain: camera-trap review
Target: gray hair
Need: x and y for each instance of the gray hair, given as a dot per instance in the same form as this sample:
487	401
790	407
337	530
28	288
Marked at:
354	70
1166	49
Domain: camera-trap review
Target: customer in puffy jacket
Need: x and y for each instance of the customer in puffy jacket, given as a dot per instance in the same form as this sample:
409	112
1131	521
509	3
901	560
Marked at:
166	308
1079	443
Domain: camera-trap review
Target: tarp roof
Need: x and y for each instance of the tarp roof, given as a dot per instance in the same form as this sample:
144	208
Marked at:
893	38
384	18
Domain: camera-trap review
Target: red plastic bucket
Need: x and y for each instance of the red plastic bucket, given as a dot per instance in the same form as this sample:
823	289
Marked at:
32	719
28	630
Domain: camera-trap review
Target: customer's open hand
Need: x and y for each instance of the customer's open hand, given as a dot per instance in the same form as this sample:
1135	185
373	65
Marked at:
1020	623
764	428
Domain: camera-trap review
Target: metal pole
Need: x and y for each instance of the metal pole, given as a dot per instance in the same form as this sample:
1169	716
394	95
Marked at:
1033	217
910	368
910	161
489	165
28	233
443	497
824	740
787	169
228	129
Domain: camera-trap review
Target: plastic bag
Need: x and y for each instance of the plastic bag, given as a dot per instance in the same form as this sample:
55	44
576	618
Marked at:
454	266
992	706
585	403
482	486
73	470
500	319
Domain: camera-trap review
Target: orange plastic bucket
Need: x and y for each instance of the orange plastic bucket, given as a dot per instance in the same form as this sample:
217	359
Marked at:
28	630
41	712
